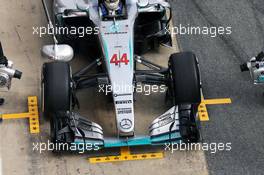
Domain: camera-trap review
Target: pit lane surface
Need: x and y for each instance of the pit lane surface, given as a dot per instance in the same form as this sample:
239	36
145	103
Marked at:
242	122
17	19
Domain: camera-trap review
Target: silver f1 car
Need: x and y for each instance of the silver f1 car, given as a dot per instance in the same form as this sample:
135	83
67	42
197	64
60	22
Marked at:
126	30
256	67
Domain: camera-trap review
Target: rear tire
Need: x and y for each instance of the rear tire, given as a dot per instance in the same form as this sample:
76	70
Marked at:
185	89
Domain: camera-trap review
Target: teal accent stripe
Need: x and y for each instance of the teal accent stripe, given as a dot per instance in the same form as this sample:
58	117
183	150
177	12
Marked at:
131	59
166	137
137	141
261	79
106	53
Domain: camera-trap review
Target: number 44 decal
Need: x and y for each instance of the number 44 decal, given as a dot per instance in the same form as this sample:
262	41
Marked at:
117	59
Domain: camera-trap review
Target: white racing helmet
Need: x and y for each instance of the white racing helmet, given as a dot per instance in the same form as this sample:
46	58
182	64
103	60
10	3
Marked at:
111	4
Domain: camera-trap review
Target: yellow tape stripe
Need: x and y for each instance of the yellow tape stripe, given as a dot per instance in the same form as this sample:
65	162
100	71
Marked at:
32	115
217	101
126	157
15	116
202	110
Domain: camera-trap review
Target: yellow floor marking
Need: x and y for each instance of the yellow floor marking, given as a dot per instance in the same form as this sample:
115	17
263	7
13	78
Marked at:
202	110
32	115
217	101
126	155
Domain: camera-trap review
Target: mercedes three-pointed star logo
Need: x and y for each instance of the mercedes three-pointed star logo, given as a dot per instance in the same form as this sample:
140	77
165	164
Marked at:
126	123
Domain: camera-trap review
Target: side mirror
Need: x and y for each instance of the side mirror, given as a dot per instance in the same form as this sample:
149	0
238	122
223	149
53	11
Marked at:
58	52
165	4
82	5
143	3
161	2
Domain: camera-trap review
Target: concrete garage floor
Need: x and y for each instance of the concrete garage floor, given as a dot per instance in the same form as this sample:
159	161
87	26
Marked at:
17	157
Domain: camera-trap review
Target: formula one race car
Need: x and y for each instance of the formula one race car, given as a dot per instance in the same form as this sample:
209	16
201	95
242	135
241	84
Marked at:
125	29
256	68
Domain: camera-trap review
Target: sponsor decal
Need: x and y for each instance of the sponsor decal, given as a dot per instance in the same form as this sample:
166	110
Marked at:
123	102
124	110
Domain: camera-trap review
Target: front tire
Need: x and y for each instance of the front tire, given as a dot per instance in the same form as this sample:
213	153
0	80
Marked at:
56	87
185	89
185	78
56	94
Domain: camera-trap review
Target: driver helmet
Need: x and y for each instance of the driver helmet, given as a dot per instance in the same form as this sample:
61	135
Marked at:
111	4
